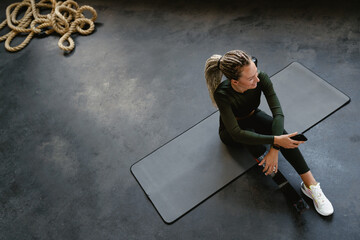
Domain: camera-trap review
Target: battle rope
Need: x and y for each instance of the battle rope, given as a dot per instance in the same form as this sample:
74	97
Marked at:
65	18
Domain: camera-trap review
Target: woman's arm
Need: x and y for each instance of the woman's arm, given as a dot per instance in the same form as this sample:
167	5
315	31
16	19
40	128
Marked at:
274	104
280	138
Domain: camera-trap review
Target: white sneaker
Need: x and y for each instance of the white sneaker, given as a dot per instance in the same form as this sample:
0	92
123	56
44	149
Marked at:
321	203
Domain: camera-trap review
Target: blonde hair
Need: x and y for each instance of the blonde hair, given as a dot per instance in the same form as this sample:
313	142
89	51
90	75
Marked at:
230	65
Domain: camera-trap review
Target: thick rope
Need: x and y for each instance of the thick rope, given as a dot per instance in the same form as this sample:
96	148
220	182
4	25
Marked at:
65	18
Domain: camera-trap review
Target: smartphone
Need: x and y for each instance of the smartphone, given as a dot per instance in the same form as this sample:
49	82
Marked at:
299	137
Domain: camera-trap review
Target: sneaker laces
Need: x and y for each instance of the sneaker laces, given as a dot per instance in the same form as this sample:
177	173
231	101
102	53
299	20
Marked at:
318	194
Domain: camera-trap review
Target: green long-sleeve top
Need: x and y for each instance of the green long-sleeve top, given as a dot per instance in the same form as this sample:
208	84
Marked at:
234	104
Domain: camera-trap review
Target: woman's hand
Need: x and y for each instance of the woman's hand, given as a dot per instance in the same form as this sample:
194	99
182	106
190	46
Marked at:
271	161
285	141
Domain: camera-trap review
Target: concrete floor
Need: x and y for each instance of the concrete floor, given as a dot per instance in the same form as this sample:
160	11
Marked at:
71	125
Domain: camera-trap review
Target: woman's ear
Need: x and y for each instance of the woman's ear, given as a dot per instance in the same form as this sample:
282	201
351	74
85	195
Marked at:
233	81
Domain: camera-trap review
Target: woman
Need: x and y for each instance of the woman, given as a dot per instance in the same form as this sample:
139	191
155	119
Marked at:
241	122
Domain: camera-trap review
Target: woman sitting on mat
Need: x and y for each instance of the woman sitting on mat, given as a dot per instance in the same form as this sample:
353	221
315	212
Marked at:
241	122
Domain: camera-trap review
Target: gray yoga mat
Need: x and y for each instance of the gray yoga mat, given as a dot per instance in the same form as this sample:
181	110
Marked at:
190	168
305	98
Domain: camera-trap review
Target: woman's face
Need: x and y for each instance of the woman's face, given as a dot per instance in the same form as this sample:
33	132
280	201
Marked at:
249	78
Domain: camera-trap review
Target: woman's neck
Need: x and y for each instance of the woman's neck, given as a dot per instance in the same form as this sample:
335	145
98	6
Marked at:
237	88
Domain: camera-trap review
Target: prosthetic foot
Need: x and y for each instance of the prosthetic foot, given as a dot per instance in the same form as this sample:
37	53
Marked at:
295	199
290	193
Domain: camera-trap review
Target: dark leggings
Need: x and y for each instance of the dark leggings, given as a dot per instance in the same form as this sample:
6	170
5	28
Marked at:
261	123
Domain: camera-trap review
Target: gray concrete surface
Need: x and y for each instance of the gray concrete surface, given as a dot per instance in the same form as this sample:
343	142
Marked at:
71	125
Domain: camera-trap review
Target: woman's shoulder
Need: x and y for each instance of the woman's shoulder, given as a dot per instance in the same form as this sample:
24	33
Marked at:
223	87
264	79
222	92
263	75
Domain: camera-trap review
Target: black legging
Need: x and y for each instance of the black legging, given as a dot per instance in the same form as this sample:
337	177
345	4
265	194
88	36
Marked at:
261	123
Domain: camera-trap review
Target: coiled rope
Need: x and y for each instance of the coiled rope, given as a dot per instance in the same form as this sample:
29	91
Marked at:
65	18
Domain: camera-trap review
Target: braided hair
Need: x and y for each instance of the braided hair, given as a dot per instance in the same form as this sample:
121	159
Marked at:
230	65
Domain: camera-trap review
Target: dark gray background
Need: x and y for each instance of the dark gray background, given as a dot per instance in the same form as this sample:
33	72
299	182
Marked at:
71	125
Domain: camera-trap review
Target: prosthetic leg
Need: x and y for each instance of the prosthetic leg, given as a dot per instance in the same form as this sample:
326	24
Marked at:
290	193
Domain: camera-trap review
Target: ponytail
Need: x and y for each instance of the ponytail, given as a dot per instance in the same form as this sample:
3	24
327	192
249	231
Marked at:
230	65
213	75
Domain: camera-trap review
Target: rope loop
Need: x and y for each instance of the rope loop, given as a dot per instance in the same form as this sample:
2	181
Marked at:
66	37
65	18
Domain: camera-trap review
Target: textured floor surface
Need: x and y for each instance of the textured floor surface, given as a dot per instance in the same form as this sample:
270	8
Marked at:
71	125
